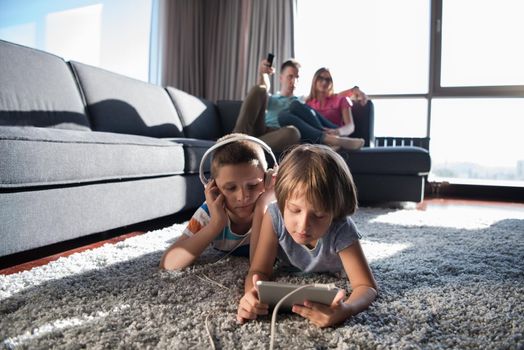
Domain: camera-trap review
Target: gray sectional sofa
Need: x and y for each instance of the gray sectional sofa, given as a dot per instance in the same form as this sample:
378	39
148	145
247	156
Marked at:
84	150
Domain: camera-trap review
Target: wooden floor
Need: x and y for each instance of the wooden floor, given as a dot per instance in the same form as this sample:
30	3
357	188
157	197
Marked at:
426	205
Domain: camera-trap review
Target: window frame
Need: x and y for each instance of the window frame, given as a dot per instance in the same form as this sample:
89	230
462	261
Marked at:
436	67
435	91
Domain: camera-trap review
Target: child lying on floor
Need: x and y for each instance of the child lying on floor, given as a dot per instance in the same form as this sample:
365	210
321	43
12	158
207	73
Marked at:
236	199
309	228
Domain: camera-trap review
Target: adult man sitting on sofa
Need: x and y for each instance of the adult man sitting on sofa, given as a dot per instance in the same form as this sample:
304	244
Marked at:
259	107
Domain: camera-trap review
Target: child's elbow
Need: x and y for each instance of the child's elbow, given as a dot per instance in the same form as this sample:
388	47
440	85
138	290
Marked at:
374	292
172	261
172	266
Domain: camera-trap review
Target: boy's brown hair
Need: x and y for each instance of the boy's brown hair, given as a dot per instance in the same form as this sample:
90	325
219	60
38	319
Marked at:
322	174
237	152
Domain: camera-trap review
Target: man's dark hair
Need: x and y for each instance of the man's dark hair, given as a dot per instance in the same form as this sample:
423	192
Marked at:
289	63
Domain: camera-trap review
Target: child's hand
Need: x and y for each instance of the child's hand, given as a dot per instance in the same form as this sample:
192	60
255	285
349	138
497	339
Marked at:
249	306
322	315
216	203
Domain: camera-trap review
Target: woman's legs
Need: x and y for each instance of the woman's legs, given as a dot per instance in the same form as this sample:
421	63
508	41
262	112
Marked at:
310	115
308	132
311	129
347	143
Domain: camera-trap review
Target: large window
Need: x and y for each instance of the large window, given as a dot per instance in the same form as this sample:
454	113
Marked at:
482	43
112	34
476	140
450	70
375	45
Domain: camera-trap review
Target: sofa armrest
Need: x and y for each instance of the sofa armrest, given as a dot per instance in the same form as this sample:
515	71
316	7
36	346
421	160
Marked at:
364	118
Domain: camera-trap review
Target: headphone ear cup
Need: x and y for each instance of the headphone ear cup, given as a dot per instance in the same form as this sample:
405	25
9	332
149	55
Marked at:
268	177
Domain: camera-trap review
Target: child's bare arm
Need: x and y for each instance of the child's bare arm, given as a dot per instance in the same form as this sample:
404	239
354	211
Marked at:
364	292
260	210
249	306
188	248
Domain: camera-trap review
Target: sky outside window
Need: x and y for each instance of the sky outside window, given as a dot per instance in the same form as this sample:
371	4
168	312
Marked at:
483	47
111	34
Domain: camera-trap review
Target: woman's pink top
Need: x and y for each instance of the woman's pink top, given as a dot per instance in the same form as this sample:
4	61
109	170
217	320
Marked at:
331	108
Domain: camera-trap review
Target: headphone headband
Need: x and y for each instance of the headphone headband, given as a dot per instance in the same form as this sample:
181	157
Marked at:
231	140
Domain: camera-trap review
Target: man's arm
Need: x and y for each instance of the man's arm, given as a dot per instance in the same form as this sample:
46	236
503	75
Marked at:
264	71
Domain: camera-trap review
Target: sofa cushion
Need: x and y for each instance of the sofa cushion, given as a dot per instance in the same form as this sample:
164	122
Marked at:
42	156
38	89
389	160
117	103
199	116
194	149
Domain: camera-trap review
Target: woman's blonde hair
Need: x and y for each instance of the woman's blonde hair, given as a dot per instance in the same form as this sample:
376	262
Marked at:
237	152
324	177
313	91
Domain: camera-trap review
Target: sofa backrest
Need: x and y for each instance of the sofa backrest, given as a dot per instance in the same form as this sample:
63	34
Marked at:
199	116
38	89
116	103
229	110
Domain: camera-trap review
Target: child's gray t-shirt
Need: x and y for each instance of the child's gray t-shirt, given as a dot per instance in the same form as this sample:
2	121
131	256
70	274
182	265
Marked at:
324	257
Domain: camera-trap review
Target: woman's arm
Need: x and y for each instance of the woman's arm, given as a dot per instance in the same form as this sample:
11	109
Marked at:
355	94
249	306
349	125
364	292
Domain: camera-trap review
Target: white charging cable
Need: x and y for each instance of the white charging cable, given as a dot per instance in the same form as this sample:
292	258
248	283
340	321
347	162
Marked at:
208	279
248	235
275	311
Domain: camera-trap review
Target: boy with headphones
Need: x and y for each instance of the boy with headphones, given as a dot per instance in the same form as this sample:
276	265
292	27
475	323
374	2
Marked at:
237	195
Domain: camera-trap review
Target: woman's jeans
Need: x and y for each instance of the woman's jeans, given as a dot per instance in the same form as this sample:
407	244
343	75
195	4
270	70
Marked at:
309	122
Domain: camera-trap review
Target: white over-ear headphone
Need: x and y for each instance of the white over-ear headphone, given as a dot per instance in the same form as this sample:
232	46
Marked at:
269	172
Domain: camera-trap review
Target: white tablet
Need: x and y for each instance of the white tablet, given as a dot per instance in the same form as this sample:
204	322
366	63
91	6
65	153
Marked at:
271	292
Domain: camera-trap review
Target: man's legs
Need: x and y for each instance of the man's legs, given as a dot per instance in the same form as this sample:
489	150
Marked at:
252	113
280	139
251	121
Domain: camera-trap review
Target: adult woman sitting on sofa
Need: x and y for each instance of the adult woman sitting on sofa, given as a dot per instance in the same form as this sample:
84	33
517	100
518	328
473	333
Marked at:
335	107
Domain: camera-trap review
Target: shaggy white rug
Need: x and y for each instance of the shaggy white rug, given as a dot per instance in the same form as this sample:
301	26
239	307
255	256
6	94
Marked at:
448	279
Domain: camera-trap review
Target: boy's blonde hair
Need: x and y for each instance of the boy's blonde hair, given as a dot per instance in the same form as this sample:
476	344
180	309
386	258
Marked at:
324	177
238	152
